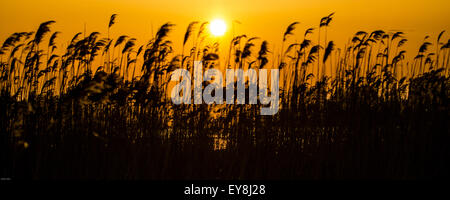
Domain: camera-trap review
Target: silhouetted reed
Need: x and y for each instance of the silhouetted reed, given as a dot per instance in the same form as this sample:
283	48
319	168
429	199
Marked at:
365	112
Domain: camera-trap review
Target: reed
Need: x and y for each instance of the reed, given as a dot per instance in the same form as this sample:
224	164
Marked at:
371	116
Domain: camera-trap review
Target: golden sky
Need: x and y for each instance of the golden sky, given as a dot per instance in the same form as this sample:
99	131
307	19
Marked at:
267	19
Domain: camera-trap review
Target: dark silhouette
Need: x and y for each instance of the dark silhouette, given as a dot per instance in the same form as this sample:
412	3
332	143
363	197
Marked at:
376	115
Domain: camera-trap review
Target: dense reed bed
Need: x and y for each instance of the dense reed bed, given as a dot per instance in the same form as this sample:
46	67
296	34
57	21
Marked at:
100	110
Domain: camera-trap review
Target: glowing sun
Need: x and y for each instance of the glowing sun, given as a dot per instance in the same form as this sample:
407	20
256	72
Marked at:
217	27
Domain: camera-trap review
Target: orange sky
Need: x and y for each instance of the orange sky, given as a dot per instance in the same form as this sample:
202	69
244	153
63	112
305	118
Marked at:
263	18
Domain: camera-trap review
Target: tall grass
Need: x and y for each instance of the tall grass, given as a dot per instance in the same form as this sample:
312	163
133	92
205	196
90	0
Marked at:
374	115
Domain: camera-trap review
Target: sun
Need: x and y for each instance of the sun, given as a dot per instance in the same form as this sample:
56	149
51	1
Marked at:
217	27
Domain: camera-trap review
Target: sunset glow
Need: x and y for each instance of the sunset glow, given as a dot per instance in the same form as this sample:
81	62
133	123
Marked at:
224	90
